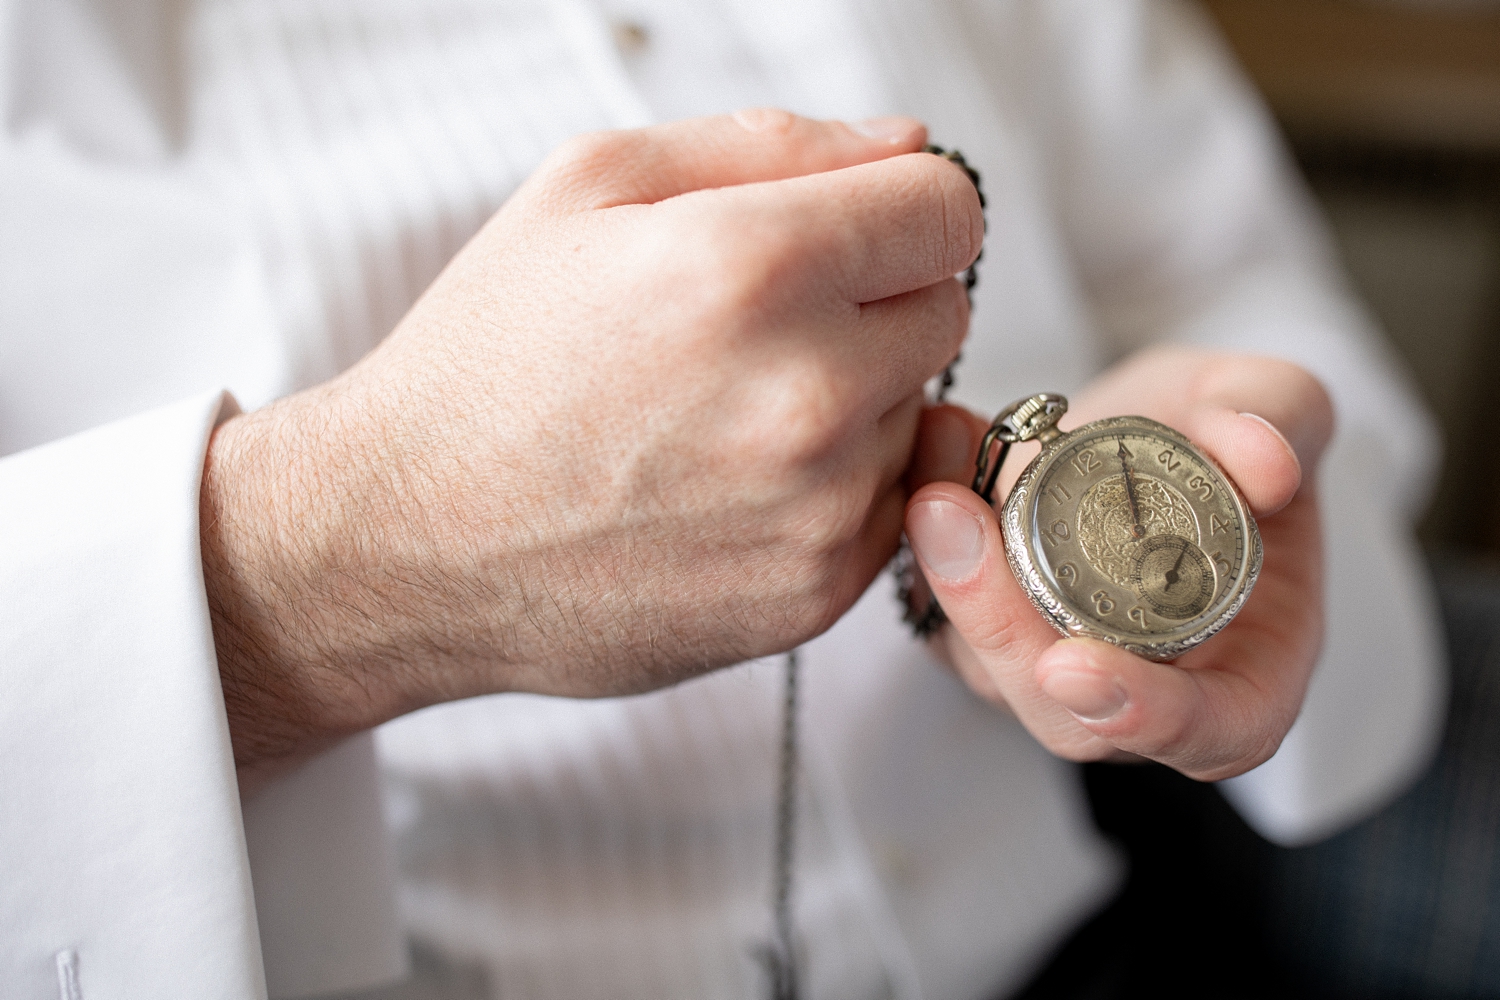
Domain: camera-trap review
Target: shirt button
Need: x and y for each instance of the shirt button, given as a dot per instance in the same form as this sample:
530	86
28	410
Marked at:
631	37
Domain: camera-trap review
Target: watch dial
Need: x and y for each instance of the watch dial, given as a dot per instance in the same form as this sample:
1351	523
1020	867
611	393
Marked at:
1137	532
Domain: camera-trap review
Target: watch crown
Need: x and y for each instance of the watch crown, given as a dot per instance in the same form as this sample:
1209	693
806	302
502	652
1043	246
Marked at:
1032	417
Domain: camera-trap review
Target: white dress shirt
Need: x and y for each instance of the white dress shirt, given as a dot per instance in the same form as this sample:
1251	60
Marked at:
247	194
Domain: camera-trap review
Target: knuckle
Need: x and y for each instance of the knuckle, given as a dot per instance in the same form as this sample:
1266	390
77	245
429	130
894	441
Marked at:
1292	381
962	219
956	311
812	542
585	162
804	412
827	602
998	630
738	262
1176	739
1080	747
1259	752
768	120
1254	753
586	147
1241	734
752	271
1267	728
834	522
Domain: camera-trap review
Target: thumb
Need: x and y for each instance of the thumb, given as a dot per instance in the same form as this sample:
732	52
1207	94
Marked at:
958	544
646	165
956	538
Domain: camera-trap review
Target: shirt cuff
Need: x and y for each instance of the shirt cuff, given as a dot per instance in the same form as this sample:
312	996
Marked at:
127	869
125	864
325	876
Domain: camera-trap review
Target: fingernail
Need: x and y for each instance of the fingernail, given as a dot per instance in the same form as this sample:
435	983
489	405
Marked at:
1279	436
1092	696
948	539
889	129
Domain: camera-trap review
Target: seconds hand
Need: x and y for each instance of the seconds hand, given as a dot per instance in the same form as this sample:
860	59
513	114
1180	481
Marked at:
1135	511
1172	573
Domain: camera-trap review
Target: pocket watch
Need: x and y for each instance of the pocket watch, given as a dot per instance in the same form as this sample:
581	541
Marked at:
1121	530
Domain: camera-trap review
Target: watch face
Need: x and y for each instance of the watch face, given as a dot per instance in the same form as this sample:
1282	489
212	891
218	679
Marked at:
1124	531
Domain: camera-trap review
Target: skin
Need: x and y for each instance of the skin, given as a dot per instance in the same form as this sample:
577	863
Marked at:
664	414
651	421
1222	708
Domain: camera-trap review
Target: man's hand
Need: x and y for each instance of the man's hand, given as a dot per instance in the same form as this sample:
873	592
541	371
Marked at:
651	421
1222	708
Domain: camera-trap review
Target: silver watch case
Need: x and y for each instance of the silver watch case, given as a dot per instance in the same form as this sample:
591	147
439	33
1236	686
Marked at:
1018	512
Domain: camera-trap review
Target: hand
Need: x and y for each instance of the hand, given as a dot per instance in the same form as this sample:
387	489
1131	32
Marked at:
651	421
1223	707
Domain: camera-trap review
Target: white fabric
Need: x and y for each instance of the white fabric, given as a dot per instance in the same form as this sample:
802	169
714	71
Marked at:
248	193
318	853
120	826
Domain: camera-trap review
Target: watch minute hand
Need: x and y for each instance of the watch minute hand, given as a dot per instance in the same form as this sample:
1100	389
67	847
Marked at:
1136	527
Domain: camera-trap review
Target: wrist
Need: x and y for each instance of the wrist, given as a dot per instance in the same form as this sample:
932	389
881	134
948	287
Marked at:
293	679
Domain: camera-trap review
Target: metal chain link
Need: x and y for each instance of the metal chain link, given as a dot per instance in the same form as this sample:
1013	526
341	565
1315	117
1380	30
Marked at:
781	962
930	618
971	276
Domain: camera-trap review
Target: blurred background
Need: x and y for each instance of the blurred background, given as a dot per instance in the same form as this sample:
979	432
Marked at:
1392	110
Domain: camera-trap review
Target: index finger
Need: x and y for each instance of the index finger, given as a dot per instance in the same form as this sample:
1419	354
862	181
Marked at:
648	165
874	230
1264	420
